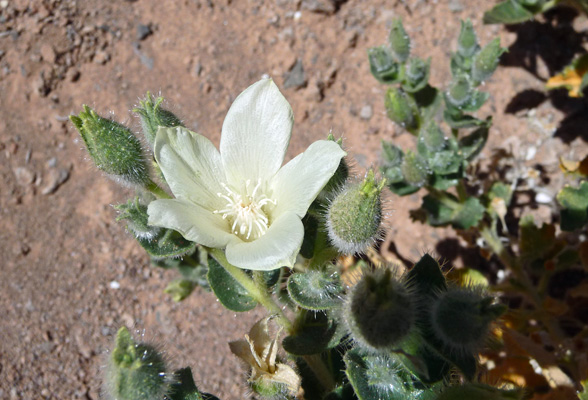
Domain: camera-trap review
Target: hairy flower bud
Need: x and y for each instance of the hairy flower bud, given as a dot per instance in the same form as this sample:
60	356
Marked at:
379	311
135	371
399	41
432	137
467	43
382	65
153	116
400	108
112	146
486	61
355	214
460	92
460	318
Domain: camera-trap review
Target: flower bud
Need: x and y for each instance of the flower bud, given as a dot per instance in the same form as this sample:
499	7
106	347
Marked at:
382	65
379	311
460	318
432	137
399	41
112	146
486	61
153	116
415	169
135	213
416	74
467	43
354	216
460	92
136	371
400	108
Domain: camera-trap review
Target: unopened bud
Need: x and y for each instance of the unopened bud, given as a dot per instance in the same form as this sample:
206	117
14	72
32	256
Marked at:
416	74
400	108
460	92
460	318
486	61
382	65
355	214
467	43
379	311
112	146
432	137
399	41
153	116
136	371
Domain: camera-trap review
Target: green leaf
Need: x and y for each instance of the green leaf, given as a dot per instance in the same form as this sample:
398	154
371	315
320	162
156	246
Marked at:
399	41
402	109
313	333
344	392
480	391
486	61
428	100
380	377
457	119
184	388
426	277
167	243
459	215
444	182
574	214
467	42
229	292
179	289
471	145
508	12
315	290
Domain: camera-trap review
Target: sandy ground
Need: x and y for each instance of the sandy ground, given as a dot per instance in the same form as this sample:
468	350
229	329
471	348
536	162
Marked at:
70	275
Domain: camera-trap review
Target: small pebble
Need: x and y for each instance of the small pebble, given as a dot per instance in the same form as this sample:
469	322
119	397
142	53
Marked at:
143	31
24	176
543	198
55	179
114	285
366	112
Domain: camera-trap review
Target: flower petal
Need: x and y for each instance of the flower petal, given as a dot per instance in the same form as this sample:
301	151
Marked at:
256	133
191	165
277	248
297	183
192	221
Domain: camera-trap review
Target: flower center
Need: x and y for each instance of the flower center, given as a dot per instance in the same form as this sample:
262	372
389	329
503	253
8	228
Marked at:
244	210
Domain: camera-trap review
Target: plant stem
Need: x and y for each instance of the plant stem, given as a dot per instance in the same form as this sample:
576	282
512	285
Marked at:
157	190
321	372
260	295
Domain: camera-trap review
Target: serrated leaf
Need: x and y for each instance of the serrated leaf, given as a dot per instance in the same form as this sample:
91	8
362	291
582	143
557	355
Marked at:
471	145
315	290
574	201
314	334
508	12
229	292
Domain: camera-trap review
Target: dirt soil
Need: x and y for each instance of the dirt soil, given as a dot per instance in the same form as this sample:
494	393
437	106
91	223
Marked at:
70	276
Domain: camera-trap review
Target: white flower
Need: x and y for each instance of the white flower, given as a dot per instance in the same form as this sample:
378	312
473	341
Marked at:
242	199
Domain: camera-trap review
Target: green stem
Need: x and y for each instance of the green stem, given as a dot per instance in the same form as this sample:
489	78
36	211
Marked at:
260	295
321	372
156	190
462	192
443	198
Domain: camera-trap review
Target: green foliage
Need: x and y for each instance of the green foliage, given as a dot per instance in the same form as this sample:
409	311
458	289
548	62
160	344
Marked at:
516	11
444	209
229	292
184	387
153	116
112	146
135	371
574	202
313	333
315	290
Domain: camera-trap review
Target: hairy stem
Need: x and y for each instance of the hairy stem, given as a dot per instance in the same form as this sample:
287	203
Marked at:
157	190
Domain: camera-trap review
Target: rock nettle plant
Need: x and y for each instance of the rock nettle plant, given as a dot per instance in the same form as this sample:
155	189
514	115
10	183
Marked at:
257	232
536	258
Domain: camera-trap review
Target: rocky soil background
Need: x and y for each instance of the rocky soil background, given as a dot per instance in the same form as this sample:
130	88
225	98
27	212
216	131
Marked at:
70	275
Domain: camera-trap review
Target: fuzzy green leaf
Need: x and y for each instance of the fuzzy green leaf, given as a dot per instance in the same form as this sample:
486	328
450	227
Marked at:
459	215
471	145
426	277
315	290
416	74
382	65
229	292
457	119
167	243
508	12
574	201
184	387
399	41
401	108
